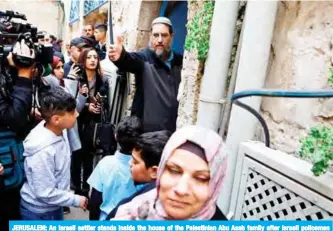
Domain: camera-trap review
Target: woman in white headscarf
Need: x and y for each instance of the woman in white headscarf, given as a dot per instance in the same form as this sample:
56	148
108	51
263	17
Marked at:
190	176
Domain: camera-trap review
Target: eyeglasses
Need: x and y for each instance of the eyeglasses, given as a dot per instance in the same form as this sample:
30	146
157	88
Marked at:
163	35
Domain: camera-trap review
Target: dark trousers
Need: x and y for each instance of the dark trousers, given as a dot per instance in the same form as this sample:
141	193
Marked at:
9	207
81	169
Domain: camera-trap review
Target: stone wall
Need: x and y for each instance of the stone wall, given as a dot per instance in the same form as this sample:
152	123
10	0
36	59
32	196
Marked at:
300	57
49	14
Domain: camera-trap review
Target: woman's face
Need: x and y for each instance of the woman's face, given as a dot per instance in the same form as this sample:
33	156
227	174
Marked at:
184	185
92	60
59	70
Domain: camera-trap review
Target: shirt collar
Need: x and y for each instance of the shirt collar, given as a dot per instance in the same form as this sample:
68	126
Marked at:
101	44
141	185
123	157
168	62
171	56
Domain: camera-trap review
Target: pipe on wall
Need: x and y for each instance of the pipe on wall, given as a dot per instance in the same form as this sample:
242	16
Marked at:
61	18
227	108
259	24
214	80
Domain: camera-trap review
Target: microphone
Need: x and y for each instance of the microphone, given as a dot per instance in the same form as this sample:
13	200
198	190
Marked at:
103	91
102	94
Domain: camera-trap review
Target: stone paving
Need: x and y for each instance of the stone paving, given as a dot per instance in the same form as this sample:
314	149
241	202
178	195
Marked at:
77	214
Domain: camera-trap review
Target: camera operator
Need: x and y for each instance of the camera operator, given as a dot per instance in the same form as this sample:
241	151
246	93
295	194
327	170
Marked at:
14	113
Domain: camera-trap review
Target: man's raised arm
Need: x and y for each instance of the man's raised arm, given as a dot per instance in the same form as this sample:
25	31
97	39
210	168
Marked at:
125	61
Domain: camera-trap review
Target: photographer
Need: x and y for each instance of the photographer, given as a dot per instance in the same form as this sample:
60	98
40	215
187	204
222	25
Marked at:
14	111
75	48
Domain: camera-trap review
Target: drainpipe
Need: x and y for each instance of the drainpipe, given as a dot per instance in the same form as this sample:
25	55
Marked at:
228	104
81	20
216	70
61	19
258	32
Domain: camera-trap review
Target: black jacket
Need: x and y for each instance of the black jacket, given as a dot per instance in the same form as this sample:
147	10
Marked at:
101	51
67	68
86	116
86	119
218	216
155	100
14	112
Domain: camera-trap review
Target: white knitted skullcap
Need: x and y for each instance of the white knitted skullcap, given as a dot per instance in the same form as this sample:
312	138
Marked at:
163	20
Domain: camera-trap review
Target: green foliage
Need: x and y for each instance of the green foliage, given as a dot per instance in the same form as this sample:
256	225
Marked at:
318	144
198	28
318	147
330	77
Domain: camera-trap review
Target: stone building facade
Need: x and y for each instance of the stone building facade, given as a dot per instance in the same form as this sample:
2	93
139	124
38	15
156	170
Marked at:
47	15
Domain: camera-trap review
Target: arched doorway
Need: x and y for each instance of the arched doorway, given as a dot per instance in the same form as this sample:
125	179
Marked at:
176	11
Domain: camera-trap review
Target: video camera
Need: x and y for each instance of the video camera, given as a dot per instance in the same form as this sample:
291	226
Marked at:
11	32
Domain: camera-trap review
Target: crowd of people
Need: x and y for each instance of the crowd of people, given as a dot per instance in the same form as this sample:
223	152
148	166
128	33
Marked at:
148	177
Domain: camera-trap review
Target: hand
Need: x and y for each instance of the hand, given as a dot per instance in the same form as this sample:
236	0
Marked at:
74	72
98	107
116	49
94	108
21	49
35	111
2	169
84	89
83	203
10	59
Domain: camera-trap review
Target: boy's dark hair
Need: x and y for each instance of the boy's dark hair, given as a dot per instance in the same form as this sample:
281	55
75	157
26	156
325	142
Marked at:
128	130
101	27
54	38
151	145
55	101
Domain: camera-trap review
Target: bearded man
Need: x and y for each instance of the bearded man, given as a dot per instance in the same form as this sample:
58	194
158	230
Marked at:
157	72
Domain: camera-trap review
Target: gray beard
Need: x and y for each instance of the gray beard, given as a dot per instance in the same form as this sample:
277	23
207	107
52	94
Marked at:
160	53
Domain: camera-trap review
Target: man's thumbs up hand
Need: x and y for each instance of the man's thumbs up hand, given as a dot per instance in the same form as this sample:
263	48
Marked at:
116	49
119	40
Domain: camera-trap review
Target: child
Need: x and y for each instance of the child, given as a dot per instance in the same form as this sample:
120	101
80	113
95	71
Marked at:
146	157
48	158
111	179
